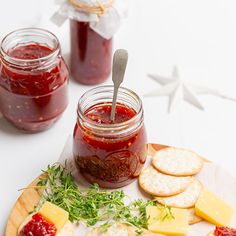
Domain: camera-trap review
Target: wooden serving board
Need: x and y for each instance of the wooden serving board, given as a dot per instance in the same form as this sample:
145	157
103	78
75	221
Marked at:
30	197
24	204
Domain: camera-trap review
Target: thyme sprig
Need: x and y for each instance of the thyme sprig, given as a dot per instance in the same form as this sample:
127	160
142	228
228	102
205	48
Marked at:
93	204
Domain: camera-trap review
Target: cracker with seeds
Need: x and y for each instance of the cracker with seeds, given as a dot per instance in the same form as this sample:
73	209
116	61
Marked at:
177	162
118	229
193	218
186	199
211	234
158	184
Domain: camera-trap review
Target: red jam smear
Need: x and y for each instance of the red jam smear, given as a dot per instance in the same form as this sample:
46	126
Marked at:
38	226
91	54
224	231
30	98
110	162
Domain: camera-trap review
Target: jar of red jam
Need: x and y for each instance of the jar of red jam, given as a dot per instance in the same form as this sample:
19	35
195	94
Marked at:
33	79
91	54
93	25
111	154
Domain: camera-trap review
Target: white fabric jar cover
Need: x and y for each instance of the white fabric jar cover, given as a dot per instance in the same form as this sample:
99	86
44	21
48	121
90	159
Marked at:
105	24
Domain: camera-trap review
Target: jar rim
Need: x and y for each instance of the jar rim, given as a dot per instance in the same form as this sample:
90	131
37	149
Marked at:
28	31
116	126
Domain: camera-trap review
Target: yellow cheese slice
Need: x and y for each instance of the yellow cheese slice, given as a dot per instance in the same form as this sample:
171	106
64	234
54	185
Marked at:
213	209
178	225
54	214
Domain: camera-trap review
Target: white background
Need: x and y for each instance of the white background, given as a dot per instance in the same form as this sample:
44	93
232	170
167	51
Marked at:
199	36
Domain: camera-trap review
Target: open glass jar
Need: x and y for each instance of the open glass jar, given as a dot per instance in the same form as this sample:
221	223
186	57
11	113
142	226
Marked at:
33	79
109	153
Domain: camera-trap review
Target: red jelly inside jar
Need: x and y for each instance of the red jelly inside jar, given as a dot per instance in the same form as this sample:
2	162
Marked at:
38	226
91	54
33	85
110	153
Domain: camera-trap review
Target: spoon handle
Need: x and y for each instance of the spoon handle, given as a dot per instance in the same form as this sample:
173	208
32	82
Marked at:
118	71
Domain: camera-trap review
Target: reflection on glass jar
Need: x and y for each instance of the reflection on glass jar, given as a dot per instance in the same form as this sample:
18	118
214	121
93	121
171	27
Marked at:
91	54
110	153
33	79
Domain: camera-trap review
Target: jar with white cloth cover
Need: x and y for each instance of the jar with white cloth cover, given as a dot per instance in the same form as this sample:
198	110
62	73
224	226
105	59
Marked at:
93	24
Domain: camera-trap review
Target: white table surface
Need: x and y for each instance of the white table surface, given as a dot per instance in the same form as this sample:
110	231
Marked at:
198	36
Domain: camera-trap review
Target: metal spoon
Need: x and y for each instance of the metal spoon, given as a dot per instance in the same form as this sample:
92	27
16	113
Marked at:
120	59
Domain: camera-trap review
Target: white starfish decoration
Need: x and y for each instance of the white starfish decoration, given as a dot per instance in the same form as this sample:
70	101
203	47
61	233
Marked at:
178	90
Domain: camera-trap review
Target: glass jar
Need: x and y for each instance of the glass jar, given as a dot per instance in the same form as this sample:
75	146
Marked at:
109	153
91	54
33	79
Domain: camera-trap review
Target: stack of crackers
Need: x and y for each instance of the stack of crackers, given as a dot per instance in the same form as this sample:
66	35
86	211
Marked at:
172	181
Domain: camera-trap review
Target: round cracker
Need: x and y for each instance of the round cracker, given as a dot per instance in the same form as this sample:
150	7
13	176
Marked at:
177	162
158	184
211	234
26	221
113	230
133	232
186	199
193	218
118	229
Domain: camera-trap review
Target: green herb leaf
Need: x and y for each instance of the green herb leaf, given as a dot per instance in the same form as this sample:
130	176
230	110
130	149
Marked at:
93	204
139	231
166	213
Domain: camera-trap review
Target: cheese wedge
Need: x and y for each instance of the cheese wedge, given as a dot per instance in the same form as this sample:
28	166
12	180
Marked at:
54	214
213	209
177	226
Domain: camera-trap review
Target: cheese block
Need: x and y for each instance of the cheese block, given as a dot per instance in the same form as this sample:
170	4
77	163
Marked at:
177	225
213	209
54	214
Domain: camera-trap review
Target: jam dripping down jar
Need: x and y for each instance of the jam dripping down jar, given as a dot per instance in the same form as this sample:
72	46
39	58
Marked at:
33	79
111	154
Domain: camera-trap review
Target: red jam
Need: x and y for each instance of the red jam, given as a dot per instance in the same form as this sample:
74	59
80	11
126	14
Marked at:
224	231
101	114
90	54
112	162
33	97
30	51
38	226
